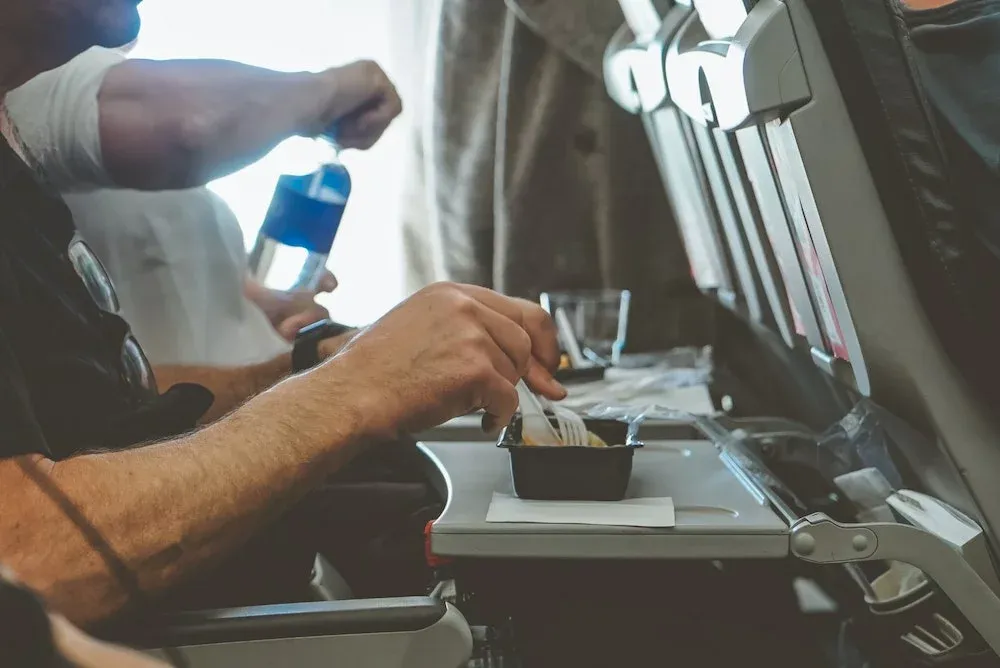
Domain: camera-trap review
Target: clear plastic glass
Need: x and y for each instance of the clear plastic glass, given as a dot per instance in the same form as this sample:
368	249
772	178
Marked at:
599	319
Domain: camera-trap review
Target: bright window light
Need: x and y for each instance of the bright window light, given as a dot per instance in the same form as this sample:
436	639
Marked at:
297	35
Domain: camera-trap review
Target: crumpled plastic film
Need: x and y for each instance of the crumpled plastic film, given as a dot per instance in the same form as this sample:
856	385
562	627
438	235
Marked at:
681	376
633	413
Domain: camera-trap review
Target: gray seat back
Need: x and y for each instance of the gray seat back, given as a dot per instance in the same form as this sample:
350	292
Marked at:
709	188
380	633
764	76
635	77
723	209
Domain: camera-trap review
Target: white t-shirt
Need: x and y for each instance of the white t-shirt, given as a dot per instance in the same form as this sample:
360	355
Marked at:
177	257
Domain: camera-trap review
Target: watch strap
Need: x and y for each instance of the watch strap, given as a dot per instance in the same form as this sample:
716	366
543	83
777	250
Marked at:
305	351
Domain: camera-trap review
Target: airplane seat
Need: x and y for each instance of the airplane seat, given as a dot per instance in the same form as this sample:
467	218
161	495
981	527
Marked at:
733	264
908	283
953	272
841	157
825	101
327	583
783	219
376	633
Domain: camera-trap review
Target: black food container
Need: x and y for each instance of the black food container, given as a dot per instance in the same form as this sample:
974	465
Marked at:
573	473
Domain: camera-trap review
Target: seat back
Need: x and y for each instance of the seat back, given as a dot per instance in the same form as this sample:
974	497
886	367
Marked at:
635	77
883	280
726	213
377	633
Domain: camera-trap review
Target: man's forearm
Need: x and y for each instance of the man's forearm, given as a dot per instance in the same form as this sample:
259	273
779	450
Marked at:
178	124
235	385
171	509
232	386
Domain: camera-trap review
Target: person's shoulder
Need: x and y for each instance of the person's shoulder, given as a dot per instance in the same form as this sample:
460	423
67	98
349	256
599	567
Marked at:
92	62
96	59
57	118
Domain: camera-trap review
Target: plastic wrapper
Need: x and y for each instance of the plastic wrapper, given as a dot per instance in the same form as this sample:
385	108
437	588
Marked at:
637	413
860	441
684	361
856	444
646	380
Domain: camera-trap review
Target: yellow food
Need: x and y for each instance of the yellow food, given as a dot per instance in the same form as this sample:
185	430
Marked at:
595	441
564	362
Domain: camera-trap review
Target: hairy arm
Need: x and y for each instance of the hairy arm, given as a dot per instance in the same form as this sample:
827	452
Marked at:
233	386
178	124
171	509
103	121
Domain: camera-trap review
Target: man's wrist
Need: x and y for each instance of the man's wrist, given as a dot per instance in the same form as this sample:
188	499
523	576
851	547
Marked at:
330	347
317	102
306	102
314	414
308	351
366	414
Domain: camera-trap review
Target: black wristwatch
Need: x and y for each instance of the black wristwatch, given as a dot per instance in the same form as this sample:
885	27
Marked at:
305	351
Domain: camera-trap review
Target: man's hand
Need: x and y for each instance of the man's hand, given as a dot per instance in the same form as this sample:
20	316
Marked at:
291	311
447	351
545	351
361	102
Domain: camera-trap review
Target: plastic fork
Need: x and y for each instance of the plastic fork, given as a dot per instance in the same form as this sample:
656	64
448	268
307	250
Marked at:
576	425
534	423
572	428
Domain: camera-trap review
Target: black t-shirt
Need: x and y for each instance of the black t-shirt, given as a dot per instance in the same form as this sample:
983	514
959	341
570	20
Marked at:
63	385
959	60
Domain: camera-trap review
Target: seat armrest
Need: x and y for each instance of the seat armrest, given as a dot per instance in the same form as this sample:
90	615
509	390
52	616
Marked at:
298	620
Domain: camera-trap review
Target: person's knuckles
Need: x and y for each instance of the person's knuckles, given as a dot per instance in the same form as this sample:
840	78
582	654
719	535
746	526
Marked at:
512	376
370	69
536	313
541	381
544	339
434	298
468	339
522	351
538	320
504	400
473	377
461	304
442	286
